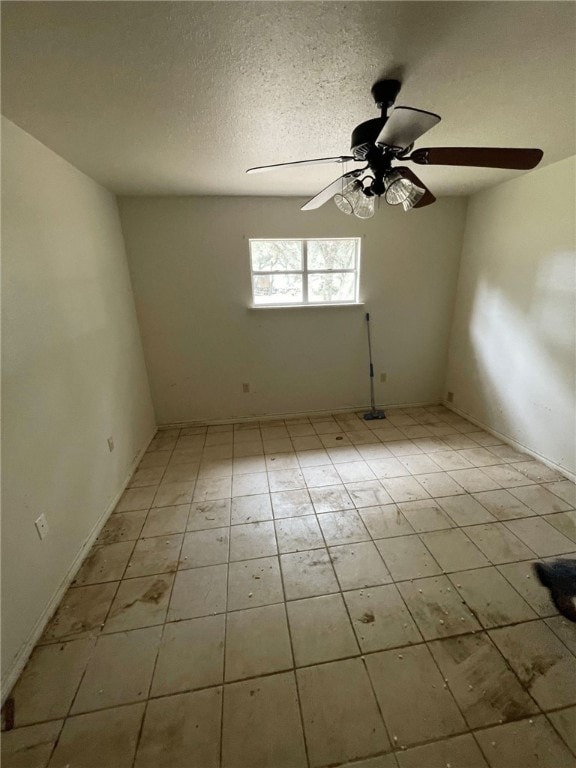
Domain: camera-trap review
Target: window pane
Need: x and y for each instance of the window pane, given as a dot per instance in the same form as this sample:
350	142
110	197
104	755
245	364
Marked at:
276	255
331	254
334	286
277	289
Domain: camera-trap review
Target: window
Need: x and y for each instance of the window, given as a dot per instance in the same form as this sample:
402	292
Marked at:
313	271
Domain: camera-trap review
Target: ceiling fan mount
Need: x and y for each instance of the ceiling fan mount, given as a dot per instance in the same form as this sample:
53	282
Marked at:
381	141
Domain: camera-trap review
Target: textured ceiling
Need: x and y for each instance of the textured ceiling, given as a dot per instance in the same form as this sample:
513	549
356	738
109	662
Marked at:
182	97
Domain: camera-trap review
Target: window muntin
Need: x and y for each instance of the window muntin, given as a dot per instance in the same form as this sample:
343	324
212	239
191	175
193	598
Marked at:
302	272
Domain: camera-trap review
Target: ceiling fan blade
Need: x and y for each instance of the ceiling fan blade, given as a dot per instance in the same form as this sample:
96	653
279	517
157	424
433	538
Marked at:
428	198
329	191
405	125
317	161
481	157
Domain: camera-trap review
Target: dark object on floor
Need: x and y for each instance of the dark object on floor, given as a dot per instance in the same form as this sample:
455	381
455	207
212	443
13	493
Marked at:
559	577
373	413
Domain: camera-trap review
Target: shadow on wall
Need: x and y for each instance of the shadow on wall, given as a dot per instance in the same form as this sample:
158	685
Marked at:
520	333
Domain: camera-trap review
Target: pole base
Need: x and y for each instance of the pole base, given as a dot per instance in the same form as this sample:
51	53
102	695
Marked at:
374	414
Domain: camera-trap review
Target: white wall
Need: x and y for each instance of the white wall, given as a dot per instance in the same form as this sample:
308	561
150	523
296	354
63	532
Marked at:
72	374
512	353
190	270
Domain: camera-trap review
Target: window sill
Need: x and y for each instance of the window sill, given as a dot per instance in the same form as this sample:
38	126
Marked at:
343	305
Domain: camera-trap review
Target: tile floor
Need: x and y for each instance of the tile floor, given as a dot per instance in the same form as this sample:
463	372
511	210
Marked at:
314	592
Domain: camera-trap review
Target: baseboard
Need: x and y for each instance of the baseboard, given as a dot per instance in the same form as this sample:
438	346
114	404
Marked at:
514	443
297	415
28	646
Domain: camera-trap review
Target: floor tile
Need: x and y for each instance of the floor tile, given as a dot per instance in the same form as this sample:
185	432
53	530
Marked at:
251	509
565	522
316	458
119	671
522	577
386	521
136	498
122	526
307	574
406	557
450	460
198	592
354	471
173	494
506	475
565	630
453	550
493	601
291	503
181	731
359	565
320	629
502	505
529	743
244	465
210	490
101	738
209	514
296	534
81	612
541	537
480	457
250	485
460	752
540	500
465	510
155	555
381	619
437	607
440	484
420	464
254	582
191	656
140	602
459	442
340	713
404	489
473	480
45	689
498	543
382	761
252	540
541	661
368	493
410	690
257	642
330	499
343	527
262	726
186	472
286	480
165	521
565	489
105	563
564	721
215	470
202	548
388	467
425	515
485	689
319	476
538	472
30	747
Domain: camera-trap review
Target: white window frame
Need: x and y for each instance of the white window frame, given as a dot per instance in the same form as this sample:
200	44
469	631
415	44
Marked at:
305	272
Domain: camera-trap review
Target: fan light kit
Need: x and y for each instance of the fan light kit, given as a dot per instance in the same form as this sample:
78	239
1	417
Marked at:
390	138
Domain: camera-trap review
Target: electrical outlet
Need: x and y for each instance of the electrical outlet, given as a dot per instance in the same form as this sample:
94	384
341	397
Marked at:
450	397
382	377
245	388
110	444
42	526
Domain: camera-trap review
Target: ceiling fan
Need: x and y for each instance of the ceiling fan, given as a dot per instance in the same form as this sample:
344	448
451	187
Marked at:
390	138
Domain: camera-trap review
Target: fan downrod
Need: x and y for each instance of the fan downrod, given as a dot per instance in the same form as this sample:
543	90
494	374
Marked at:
384	93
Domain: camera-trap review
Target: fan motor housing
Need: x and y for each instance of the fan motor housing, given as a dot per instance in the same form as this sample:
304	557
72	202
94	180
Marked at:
364	136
